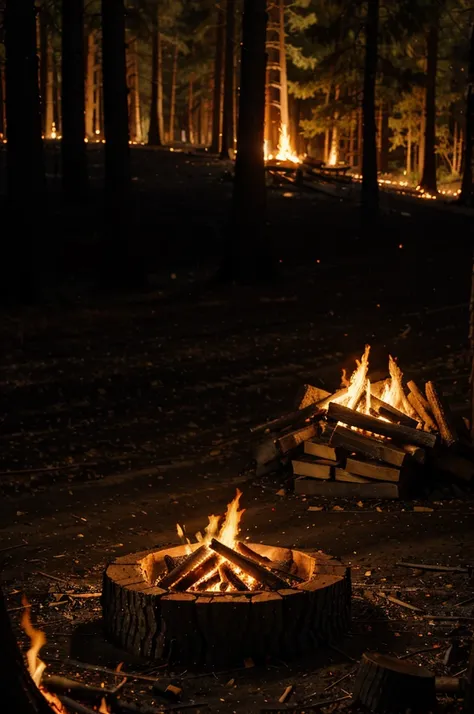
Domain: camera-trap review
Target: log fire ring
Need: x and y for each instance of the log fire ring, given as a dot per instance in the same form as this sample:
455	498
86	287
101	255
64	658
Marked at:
225	628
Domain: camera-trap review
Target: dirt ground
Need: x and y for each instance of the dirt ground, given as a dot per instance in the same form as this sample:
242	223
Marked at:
123	415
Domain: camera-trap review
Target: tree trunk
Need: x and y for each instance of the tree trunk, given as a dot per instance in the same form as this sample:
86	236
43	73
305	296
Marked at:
99	103
409	150
248	257
428	178
268	112
174	76
90	84
134	91
370	188
121	267
3	120
25	166
73	148
228	117
327	133
57	109
155	133
467	195
217	88
352	139
49	94
284	113
190	110
19	693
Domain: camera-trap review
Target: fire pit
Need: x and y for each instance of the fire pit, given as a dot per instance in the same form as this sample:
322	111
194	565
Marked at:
220	601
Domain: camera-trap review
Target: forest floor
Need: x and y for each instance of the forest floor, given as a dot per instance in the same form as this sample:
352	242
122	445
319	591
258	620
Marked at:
123	415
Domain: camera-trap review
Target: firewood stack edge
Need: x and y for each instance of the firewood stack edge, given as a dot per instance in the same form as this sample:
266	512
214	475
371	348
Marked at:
355	444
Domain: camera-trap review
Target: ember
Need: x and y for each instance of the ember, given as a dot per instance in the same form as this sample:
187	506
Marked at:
368	439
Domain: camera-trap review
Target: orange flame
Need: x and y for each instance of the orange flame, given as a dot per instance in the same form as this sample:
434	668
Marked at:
35	666
285	152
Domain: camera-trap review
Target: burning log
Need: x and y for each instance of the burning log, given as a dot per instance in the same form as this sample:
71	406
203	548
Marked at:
75	707
368	445
402	434
185	567
310	395
209	582
245	550
63	685
324	403
230	578
393	415
386	685
170	563
413	387
419	407
442	414
250	567
200	571
263	560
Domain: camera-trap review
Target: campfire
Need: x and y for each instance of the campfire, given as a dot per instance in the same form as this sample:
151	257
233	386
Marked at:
220	600
368	439
285	152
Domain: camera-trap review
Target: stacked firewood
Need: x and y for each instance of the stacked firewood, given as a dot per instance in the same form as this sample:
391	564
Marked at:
368	450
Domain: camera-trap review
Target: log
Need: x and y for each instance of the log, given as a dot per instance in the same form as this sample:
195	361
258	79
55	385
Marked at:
324	403
312	468
290	441
291	419
320	449
73	707
185	567
339	489
395	416
63	685
347	477
386	685
170	563
442	414
369	446
263	560
412	386
310	395
210	582
250	567
425	418
232	578
397	432
245	550
373	470
200	571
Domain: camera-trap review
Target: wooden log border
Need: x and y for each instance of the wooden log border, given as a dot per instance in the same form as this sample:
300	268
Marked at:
224	629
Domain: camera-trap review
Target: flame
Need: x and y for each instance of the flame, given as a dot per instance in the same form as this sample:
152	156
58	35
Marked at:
104	709
332	160
358	386
35	666
226	534
285	152
184	539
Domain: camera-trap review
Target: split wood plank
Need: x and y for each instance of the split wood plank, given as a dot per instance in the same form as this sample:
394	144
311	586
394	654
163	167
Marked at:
368	445
373	470
442	414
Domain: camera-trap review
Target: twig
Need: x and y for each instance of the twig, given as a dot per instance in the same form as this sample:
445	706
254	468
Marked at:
335	683
104	670
307	707
434	568
52	577
401	603
47	469
417	652
341	652
468	601
13	547
20	607
448	617
83	596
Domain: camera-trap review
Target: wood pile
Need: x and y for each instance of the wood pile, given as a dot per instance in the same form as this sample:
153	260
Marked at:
355	444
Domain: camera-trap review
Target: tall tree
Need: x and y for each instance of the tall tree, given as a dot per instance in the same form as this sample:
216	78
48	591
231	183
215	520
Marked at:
370	188
228	115
217	87
428	178
248	258
467	195
73	148
174	79
155	134
25	162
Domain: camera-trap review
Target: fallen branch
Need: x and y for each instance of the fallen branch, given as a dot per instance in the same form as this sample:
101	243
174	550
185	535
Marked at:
12	547
64	686
434	568
291	419
74	707
52	577
103	670
401	603
48	469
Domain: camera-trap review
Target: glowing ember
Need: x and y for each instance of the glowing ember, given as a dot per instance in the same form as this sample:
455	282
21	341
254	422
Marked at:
35	666
226	533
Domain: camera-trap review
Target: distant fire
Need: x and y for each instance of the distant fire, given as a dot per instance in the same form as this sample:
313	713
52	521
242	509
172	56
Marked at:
285	152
